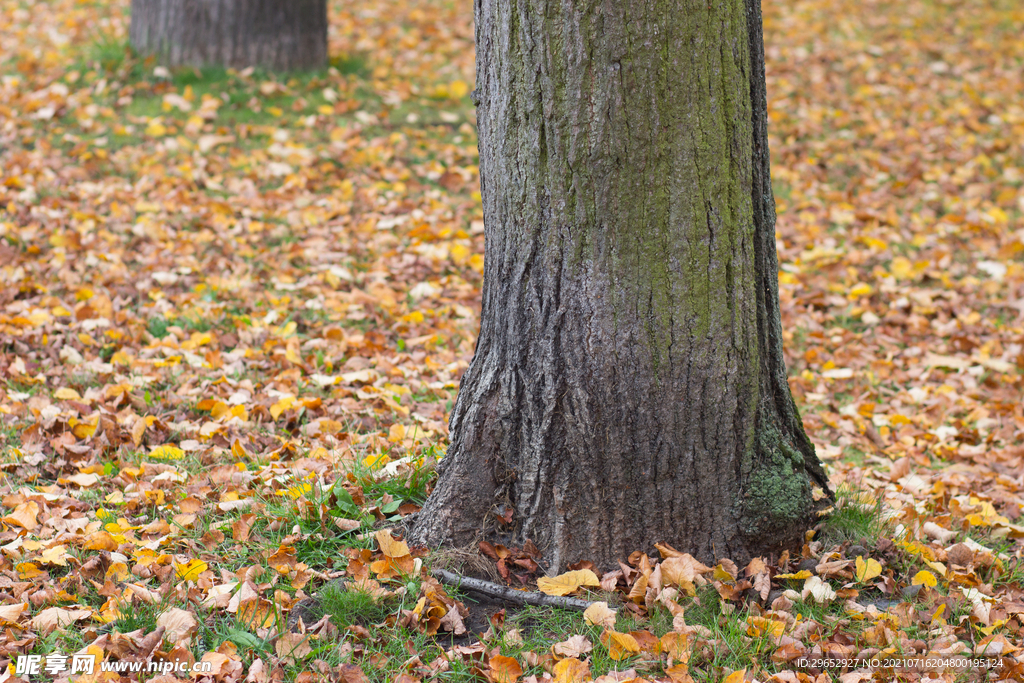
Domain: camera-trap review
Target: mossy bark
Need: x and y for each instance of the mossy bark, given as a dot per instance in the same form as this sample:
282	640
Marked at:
283	35
628	385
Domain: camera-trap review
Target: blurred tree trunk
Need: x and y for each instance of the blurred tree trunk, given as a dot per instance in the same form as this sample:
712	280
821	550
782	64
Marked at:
628	385
282	35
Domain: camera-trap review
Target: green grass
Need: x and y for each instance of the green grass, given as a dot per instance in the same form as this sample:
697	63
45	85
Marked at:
857	517
347	607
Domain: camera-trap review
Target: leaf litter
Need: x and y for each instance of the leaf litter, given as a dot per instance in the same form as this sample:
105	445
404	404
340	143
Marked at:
234	309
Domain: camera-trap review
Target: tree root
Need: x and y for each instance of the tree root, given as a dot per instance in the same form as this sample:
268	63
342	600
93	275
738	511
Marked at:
506	594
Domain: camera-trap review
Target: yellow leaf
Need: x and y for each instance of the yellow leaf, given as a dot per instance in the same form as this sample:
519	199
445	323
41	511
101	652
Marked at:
722	574
238	450
901	268
396	433
56	555
389	546
735	676
860	289
571	670
28	570
867	570
800	575
167	452
156	129
620	645
67	394
925	578
459	252
376	460
138	431
190	571
458	89
117	571
760	626
284	404
567	583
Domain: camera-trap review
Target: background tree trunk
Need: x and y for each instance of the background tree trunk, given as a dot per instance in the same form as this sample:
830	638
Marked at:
628	385
283	35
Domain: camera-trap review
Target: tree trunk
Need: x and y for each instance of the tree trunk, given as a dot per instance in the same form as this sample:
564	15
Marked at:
283	35
628	385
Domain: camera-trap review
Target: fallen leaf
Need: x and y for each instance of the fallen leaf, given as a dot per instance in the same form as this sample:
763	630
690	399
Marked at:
567	583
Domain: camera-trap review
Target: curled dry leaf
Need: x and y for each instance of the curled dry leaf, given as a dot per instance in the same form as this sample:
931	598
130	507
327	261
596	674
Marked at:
817	590
575	646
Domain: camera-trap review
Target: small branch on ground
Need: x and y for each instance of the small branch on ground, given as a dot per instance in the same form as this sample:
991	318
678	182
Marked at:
506	594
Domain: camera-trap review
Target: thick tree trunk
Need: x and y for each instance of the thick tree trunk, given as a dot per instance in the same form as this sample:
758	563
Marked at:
628	385
283	35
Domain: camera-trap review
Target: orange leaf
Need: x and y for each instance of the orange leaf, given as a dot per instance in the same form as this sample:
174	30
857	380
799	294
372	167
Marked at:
504	669
571	670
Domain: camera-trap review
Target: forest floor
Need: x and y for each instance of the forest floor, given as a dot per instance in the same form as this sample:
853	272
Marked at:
234	309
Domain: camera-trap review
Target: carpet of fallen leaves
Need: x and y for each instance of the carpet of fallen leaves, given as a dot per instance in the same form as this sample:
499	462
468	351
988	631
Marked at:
234	309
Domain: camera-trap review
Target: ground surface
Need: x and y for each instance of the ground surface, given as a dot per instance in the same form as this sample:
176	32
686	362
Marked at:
234	309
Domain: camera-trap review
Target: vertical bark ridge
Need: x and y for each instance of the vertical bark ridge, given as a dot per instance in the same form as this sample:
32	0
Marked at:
626	386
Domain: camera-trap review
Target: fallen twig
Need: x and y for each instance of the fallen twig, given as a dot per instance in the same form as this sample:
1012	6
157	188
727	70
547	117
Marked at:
507	594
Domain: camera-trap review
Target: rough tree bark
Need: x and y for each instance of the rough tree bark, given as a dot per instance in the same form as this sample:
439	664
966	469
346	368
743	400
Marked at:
283	35
628	385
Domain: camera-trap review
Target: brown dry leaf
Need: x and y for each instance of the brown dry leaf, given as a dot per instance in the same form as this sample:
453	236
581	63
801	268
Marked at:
575	646
680	673
242	527
293	647
179	625
350	673
58	617
680	571
567	583
9	613
257	672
